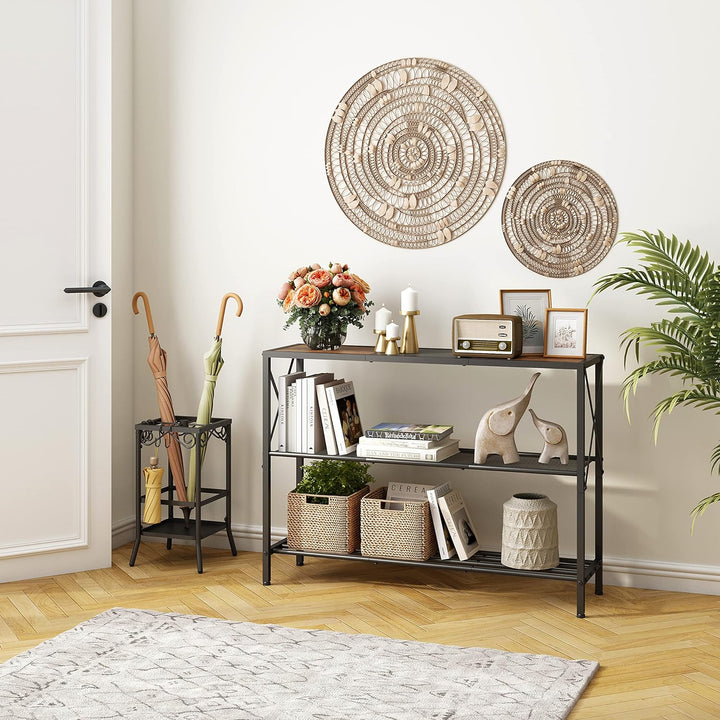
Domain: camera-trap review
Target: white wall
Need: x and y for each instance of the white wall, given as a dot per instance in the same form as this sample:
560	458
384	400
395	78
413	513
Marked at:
232	103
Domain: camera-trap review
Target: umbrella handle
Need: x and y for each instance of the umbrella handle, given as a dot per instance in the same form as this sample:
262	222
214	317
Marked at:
146	303
223	304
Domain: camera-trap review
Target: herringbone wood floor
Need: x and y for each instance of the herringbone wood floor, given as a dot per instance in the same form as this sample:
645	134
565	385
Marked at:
659	652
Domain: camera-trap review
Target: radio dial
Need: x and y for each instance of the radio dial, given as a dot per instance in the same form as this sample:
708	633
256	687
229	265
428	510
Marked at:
465	344
502	346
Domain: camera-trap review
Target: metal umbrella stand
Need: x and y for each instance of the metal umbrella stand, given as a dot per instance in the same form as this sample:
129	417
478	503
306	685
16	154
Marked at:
157	360
213	363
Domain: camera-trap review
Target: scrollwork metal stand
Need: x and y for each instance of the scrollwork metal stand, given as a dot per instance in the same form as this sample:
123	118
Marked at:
189	434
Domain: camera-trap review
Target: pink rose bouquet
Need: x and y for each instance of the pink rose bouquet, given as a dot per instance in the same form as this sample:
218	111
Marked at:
324	302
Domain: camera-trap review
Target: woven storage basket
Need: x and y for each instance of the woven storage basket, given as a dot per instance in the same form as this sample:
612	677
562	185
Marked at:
406	534
334	527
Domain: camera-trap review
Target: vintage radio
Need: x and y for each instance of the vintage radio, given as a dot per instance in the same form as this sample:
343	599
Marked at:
487	336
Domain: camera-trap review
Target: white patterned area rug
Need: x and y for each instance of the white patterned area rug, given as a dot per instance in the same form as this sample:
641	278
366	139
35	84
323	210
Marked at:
142	664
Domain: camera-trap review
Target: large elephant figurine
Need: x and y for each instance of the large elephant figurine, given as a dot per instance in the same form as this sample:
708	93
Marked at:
556	443
496	431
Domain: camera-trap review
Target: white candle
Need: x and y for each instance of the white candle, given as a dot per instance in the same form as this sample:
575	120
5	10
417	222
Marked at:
382	318
392	331
408	300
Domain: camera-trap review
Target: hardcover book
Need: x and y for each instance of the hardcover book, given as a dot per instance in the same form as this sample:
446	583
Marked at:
292	445
325	419
412	492
444	541
444	450
395	442
345	416
315	440
462	531
409	431
284	382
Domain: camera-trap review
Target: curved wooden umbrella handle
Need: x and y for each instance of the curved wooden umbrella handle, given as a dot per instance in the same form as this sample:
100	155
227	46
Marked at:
223	305
146	303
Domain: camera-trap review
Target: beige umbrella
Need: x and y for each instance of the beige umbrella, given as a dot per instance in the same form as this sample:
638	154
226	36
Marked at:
213	364
157	360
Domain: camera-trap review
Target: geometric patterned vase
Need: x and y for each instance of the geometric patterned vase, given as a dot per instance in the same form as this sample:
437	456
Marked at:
530	535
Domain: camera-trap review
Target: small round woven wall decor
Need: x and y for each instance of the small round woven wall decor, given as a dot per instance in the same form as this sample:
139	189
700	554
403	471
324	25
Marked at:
559	218
415	152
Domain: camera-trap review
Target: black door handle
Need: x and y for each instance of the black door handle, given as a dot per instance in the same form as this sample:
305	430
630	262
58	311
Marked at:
98	289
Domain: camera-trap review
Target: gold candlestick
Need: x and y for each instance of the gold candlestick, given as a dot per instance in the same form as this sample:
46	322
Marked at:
392	348
381	344
409	345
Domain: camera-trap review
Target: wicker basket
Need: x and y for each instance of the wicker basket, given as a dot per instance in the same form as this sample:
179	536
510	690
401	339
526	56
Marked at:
333	528
406	534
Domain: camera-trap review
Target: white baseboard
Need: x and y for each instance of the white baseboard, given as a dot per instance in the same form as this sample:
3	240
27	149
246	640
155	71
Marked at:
624	572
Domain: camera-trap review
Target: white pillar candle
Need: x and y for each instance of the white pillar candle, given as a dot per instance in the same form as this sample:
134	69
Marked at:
408	300
382	318
392	331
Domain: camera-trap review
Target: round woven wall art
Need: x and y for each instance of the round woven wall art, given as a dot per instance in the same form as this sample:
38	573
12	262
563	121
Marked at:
560	218
415	153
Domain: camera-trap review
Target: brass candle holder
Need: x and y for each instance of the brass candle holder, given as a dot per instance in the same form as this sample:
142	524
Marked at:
409	344
381	344
391	348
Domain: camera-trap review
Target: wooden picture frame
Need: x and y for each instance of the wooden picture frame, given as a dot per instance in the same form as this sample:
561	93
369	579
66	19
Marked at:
531	306
565	333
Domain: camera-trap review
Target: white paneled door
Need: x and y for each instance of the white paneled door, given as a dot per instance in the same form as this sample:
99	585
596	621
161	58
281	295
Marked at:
55	233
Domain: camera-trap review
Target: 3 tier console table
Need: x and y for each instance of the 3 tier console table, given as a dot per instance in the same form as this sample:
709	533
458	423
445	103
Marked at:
589	433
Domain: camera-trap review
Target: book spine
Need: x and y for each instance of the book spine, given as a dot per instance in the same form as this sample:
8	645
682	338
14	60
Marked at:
399	435
291	418
432	498
400	453
328	431
298	417
391	442
282	414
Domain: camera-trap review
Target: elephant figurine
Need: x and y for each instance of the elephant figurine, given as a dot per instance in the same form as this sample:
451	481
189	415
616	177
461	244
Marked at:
556	443
496	431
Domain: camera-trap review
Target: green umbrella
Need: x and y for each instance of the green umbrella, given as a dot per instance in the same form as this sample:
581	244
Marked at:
213	363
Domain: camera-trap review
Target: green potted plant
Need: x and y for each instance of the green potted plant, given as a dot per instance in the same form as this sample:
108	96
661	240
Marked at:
681	278
324	508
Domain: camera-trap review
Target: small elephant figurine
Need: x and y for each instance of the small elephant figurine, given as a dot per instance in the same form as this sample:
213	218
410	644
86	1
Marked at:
556	444
496	431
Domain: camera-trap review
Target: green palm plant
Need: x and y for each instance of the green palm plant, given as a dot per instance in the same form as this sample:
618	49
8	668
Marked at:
682	279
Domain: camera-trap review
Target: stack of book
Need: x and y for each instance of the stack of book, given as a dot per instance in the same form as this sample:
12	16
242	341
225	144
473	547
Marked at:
453	527
428	443
317	414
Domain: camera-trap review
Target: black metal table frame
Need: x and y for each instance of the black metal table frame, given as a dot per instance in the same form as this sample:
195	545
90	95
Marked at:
189	435
589	452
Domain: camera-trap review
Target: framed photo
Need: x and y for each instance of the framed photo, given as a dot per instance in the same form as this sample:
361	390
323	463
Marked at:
565	332
530	305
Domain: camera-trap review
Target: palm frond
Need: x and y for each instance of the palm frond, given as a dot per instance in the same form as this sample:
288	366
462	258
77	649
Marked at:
694	396
701	507
679	335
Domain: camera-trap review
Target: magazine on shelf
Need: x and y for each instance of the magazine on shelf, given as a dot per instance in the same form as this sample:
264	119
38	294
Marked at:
444	450
325	419
394	442
409	431
314	438
284	382
444	541
345	416
412	492
462	530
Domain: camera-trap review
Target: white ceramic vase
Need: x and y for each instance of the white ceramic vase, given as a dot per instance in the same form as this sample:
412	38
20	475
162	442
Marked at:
530	536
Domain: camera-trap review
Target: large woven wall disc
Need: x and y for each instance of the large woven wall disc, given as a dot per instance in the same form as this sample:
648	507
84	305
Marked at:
415	153
560	219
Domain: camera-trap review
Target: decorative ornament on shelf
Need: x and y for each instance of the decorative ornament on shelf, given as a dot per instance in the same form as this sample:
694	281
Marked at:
555	437
409	309
530	533
392	335
415	152
324	302
382	318
496	430
559	218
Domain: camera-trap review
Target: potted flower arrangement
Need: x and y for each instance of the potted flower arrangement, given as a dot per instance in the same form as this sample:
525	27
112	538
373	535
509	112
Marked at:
324	302
324	508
